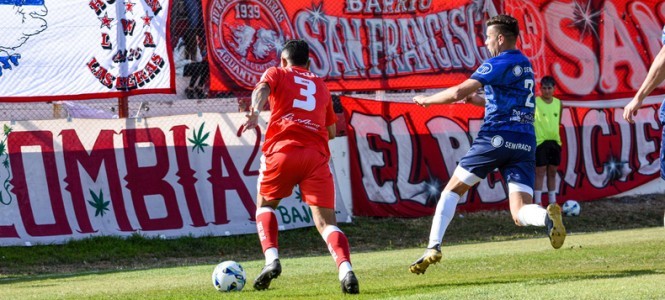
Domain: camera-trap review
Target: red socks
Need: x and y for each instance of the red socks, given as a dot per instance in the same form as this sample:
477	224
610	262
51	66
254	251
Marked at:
338	244
266	226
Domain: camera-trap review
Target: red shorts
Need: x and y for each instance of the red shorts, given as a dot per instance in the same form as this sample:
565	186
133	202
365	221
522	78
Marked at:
281	171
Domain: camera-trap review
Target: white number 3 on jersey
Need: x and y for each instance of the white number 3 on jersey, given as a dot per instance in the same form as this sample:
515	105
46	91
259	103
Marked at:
308	92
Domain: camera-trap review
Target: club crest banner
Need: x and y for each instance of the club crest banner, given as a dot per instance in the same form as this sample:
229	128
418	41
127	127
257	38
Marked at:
402	155
355	45
53	50
596	50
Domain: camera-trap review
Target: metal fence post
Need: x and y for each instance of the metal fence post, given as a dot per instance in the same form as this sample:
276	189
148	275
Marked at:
123	107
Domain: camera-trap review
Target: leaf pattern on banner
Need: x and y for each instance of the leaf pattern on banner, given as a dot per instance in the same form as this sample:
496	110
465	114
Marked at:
98	203
298	193
5	163
199	139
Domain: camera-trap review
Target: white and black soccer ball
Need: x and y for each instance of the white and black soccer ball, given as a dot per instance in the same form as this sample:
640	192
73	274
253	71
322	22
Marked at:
571	208
229	276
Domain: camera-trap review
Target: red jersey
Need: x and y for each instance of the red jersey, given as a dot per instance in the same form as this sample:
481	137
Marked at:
301	108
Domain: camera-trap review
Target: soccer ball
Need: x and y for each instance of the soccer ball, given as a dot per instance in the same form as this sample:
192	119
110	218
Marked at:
228	276
571	208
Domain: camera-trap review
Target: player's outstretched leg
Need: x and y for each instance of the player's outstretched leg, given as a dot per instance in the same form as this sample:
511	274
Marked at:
268	273
338	245
350	284
555	229
431	256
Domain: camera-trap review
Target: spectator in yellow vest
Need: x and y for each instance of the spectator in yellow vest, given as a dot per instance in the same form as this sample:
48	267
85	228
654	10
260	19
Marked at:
548	140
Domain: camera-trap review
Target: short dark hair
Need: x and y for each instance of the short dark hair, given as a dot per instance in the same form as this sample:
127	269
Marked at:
548	81
506	25
297	52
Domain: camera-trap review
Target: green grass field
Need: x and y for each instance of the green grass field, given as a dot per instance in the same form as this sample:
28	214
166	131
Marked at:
625	264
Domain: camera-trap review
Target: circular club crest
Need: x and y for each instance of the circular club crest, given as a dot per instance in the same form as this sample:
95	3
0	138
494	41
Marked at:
247	37
517	71
485	68
497	141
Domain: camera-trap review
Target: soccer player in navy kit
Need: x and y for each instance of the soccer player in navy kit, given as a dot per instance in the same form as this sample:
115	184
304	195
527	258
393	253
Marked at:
506	139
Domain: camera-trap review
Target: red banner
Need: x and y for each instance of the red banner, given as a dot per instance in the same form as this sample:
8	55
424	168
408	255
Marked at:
356	45
402	155
594	49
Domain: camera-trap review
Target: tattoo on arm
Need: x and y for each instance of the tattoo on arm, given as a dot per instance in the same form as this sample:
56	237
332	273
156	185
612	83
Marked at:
260	96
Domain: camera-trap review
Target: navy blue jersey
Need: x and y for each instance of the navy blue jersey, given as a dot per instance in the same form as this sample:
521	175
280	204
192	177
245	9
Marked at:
509	83
662	114
662	154
662	105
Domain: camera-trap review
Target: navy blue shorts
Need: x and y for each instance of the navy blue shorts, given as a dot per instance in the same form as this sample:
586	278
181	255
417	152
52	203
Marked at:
513	153
662	154
661	116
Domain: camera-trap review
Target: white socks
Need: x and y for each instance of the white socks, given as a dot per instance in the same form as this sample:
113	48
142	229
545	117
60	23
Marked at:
445	211
271	254
532	214
537	196
551	197
344	267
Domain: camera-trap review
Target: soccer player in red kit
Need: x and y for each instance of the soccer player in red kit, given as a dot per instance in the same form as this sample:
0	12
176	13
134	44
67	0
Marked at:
296	152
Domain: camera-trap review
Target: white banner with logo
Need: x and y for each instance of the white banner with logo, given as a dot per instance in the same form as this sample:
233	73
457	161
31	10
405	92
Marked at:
162	177
83	49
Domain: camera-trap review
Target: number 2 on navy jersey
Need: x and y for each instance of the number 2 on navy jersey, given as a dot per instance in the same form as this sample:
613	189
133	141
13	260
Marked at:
528	84
308	92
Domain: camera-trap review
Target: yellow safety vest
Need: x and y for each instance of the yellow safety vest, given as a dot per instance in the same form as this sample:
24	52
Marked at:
547	121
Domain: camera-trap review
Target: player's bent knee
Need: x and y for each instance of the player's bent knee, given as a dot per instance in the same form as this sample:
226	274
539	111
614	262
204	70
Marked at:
263	202
323	217
330	229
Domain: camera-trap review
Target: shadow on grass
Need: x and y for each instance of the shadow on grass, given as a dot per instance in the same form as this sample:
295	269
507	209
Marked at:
29	278
539	280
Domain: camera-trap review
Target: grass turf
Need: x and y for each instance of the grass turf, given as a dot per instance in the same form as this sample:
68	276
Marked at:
626	264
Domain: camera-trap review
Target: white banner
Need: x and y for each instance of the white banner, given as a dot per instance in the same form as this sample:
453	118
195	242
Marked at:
166	176
83	49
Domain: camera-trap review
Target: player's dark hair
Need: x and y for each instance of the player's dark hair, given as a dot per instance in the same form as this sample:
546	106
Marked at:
297	52
548	80
506	25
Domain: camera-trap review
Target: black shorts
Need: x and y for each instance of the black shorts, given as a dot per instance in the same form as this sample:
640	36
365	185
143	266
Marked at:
548	153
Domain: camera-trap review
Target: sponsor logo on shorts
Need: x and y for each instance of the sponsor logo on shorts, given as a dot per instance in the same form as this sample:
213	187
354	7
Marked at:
514	177
518	146
497	141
